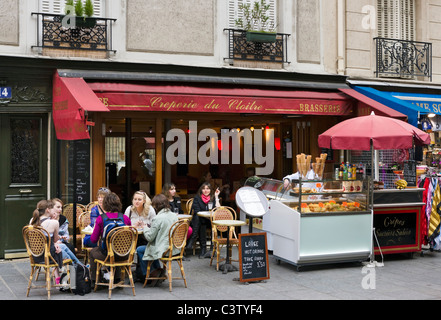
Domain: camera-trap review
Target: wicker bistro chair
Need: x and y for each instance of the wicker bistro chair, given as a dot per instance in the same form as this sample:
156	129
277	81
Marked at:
222	213
177	239
189	206
84	221
121	247
38	245
68	213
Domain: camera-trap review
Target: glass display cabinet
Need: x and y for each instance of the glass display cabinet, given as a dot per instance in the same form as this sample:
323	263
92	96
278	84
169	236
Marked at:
318	221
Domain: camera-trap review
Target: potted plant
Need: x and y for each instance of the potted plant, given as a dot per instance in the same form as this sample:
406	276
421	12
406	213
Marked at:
83	14
256	22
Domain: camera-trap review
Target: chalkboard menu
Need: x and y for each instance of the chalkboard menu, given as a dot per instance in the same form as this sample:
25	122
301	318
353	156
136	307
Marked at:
396	228
409	172
253	257
79	168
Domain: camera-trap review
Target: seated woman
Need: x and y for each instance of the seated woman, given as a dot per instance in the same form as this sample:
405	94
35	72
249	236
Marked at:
98	210
157	237
169	190
112	207
140	213
42	217
203	201
95	212
63	232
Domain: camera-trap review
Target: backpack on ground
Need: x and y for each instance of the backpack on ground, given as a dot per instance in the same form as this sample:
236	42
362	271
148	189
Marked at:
108	225
83	283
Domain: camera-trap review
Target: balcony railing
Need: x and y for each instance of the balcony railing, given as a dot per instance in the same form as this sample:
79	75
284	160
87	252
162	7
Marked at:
55	32
403	59
240	48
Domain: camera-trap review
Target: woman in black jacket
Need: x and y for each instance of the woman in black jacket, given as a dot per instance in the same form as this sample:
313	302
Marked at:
205	200
169	190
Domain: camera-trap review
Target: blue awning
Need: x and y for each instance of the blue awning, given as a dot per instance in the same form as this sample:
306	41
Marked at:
411	104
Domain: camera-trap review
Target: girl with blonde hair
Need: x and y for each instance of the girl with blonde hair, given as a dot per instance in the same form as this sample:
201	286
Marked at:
141	212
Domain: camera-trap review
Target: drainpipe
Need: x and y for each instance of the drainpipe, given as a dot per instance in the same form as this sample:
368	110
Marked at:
341	60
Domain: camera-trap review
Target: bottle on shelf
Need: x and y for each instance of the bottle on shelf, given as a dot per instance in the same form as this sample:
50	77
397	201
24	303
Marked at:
340	172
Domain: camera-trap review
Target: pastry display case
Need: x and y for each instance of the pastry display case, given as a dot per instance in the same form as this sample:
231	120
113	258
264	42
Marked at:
318	221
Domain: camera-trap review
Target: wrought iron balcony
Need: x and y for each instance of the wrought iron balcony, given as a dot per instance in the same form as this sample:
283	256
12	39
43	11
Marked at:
56	32
240	48
403	59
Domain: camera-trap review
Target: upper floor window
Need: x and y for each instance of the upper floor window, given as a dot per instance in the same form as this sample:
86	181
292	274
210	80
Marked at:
235	13
57	6
396	19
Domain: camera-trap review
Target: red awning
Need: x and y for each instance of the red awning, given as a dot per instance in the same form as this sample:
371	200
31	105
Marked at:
366	105
72	97
120	96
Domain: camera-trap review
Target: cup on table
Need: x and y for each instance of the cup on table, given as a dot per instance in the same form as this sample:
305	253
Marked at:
210	205
176	210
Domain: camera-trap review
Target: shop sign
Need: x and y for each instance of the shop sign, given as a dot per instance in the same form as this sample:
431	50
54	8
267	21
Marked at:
397	229
224	104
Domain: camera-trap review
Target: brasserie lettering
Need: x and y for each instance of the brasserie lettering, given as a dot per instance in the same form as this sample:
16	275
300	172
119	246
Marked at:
320	108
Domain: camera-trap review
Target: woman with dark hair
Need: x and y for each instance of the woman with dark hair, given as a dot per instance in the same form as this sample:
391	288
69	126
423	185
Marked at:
113	210
42	217
157	238
205	200
169	190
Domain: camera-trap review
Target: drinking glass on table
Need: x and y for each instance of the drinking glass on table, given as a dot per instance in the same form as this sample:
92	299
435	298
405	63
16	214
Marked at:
176	210
210	205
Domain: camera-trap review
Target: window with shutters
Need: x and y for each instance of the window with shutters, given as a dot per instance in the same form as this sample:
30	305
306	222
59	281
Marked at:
396	19
398	54
57	7
235	13
269	50
61	35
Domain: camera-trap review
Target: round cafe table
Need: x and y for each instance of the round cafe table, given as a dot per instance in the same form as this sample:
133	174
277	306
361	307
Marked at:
184	216
227	266
204	214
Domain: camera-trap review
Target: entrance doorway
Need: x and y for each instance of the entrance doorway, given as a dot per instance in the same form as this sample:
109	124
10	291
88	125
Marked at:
130	148
23	176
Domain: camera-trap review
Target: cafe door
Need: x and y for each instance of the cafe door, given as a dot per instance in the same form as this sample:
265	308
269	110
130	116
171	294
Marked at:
23	176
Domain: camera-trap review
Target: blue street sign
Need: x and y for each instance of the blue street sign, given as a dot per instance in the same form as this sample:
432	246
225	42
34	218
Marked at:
5	92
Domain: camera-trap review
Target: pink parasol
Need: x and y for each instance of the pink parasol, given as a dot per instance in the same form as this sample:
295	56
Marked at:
383	132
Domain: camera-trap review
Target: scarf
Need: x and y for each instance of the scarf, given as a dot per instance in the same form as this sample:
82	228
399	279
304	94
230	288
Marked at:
205	198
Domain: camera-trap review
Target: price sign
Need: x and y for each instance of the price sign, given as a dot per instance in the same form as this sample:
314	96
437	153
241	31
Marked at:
5	92
253	257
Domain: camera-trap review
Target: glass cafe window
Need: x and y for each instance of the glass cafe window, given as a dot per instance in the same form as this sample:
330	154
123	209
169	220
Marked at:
142	155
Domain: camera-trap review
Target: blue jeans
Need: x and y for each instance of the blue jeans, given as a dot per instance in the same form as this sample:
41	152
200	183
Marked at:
143	263
67	254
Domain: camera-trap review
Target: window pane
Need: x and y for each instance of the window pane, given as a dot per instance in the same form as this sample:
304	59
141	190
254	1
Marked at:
25	150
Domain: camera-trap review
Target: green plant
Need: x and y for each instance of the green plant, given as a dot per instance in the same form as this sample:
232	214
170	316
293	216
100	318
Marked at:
69	7
88	8
79	9
256	19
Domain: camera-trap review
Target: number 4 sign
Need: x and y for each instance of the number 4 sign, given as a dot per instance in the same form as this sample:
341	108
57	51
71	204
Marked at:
5	92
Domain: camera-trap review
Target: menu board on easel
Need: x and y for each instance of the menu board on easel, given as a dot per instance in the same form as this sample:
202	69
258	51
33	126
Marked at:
253	257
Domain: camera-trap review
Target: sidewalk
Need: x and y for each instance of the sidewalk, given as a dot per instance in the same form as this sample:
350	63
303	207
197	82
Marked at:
401	278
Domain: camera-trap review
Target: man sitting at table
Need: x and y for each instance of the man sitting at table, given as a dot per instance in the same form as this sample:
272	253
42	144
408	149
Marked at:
157	238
